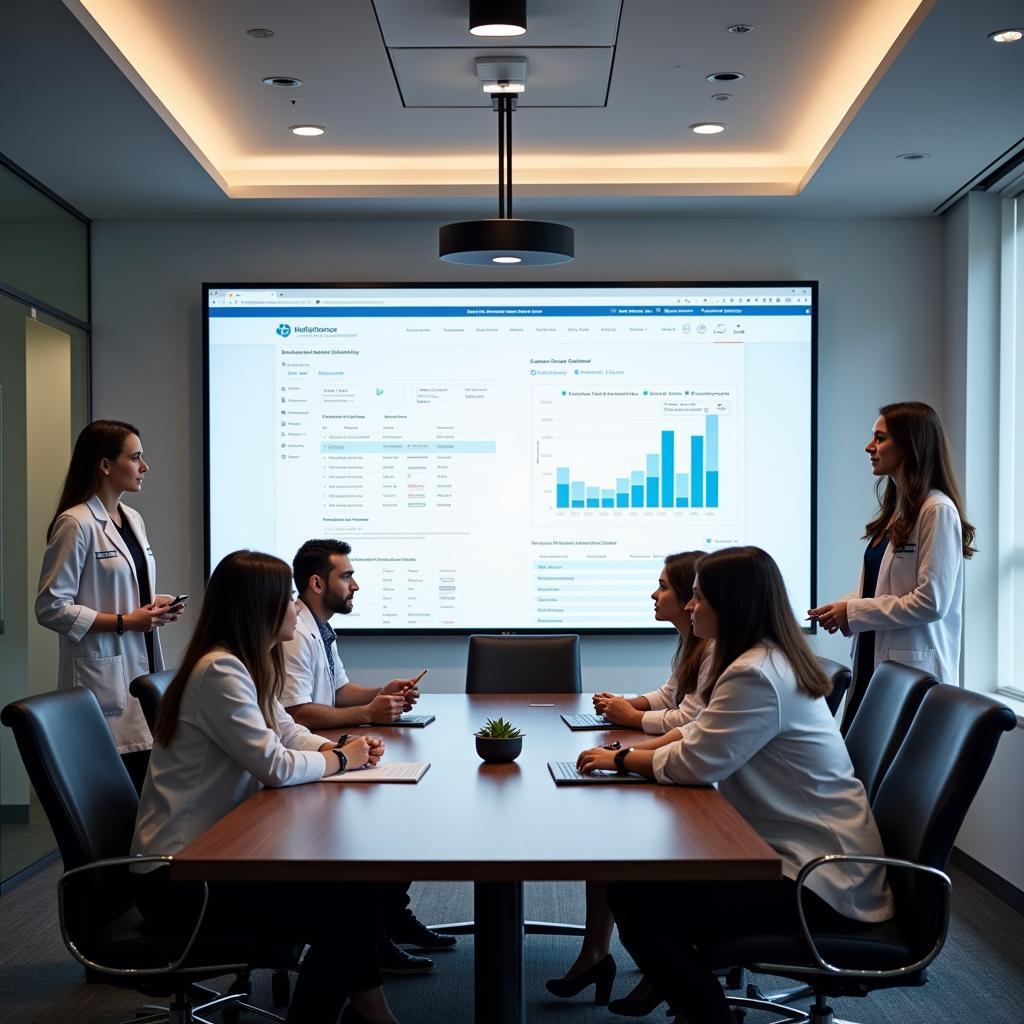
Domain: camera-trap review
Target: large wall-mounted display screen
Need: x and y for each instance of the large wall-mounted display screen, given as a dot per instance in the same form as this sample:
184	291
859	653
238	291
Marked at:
512	457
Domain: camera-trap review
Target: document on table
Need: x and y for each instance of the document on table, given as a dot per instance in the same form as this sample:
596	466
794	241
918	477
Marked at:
393	771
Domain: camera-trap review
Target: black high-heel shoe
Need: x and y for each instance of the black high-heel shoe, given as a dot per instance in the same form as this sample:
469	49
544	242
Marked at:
601	976
634	1005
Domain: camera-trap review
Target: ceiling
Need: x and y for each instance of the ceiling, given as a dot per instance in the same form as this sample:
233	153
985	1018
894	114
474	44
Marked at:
156	109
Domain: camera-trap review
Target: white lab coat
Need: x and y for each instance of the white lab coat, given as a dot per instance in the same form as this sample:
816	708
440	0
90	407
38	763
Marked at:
778	758
917	609
307	679
87	568
664	715
222	753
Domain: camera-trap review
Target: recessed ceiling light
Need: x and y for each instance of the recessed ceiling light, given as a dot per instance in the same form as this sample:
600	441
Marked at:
1006	35
707	128
282	82
725	76
259	33
912	156
307	129
506	259
741	29
721	96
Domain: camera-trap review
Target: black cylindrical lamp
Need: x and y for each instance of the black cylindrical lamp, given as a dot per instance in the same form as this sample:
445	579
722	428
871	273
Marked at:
497	17
505	241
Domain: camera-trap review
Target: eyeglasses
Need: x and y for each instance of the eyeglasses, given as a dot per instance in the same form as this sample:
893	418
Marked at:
614	745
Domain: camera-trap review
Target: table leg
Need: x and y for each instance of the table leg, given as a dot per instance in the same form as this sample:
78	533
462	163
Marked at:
498	953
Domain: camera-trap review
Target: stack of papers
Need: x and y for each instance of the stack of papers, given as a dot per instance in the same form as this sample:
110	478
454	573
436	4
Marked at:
394	771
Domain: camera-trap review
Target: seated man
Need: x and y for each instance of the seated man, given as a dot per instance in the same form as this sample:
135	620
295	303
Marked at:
319	695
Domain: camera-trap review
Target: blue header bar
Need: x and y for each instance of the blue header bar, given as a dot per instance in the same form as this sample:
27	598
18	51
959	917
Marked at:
483	312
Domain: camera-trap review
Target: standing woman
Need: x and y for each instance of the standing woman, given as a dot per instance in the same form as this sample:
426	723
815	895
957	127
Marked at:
908	605
222	735
769	741
96	587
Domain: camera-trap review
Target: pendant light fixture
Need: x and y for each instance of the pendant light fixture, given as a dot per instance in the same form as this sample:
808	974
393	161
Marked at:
497	17
505	240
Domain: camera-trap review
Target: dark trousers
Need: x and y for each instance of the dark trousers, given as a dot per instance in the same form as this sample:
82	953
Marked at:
339	922
136	764
669	927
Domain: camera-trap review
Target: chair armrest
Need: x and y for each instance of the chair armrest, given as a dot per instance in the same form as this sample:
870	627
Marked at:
110	862
831	969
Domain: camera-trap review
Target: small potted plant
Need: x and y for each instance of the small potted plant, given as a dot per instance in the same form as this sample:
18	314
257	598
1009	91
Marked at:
498	741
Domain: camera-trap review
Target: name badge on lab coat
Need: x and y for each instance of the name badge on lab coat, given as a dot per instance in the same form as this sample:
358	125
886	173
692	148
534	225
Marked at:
106	554
906	549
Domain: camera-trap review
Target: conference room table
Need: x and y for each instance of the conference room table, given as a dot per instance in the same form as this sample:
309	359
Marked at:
496	825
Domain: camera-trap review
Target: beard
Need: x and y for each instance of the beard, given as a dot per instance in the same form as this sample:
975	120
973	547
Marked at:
338	605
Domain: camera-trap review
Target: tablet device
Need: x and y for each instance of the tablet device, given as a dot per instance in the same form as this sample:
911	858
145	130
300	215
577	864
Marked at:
406	721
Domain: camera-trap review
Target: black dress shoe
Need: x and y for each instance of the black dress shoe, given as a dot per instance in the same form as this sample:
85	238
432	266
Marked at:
409	930
601	976
392	959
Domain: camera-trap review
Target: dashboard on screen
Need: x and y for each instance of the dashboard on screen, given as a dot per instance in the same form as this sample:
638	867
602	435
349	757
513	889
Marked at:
513	458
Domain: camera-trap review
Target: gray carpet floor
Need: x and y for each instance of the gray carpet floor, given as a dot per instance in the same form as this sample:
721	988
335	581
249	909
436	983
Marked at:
978	979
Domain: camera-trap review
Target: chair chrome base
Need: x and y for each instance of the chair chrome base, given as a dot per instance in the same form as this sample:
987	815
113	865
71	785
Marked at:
819	1013
183	1009
785	995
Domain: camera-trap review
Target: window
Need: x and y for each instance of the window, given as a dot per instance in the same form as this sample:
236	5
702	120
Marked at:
1011	453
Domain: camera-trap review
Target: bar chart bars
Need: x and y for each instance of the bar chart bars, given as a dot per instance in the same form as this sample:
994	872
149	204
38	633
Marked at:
657	484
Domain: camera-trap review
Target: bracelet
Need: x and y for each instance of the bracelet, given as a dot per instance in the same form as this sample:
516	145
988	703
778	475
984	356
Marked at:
120	624
342	759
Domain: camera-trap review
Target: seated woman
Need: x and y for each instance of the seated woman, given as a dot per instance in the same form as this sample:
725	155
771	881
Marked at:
768	739
659	713
220	736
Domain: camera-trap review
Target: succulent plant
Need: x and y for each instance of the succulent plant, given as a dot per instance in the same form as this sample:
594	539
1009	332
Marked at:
498	729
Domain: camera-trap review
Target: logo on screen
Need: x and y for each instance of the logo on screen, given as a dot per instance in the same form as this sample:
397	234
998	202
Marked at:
284	330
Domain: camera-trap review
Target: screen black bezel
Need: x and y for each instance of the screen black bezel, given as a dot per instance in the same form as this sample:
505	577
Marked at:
469	285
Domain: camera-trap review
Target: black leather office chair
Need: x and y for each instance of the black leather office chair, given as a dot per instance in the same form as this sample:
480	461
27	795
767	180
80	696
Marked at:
876	734
528	663
149	690
840	676
919	808
883	720
91	806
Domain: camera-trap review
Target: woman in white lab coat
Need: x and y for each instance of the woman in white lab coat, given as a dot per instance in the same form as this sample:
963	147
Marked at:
221	736
658	713
767	738
98	581
908	604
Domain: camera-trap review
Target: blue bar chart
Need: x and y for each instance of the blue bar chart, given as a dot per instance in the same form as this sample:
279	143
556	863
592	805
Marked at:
657	485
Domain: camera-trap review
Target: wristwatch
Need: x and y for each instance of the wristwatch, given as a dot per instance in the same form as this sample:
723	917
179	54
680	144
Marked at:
342	759
120	625
620	760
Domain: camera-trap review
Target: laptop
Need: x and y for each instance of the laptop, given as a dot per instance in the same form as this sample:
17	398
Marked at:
565	773
578	723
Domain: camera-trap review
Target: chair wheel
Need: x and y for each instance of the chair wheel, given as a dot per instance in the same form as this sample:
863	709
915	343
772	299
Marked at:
280	987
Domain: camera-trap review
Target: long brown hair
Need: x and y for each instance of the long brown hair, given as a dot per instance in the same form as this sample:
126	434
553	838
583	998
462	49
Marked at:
680	571
746	591
101	439
243	609
926	466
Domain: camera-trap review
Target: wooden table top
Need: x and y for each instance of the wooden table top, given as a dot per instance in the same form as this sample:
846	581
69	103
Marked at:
473	821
